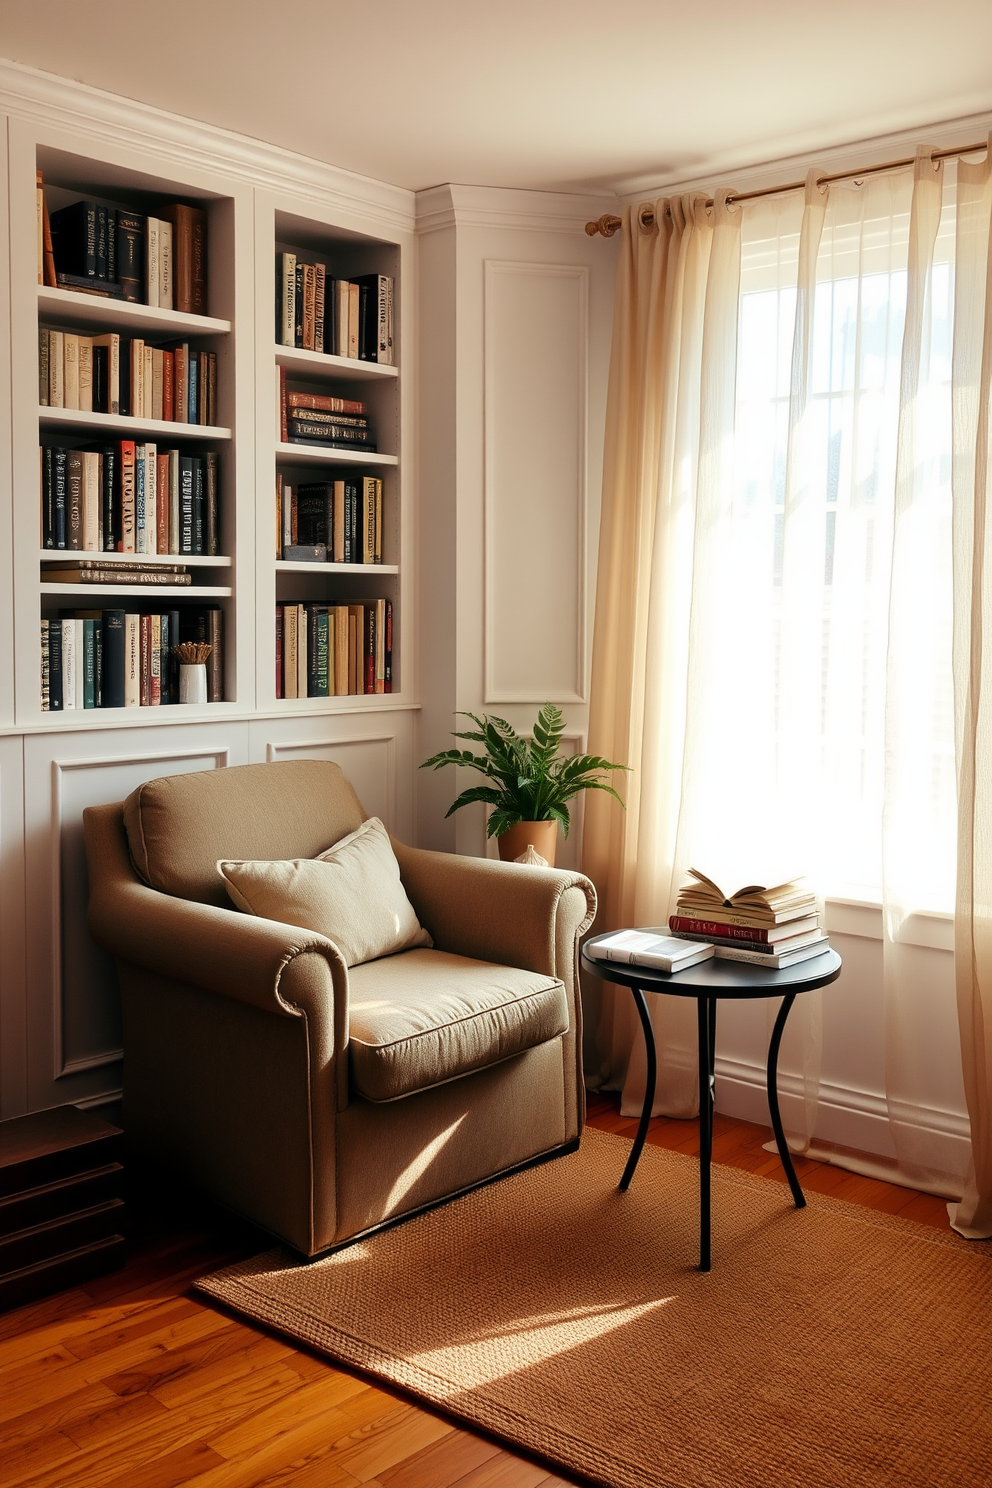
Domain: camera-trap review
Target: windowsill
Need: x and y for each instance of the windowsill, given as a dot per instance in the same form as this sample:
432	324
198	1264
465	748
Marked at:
929	928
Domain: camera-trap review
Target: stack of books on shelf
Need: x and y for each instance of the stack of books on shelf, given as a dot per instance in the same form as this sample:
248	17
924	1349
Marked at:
129	498
344	517
313	418
124	659
767	926
125	255
125	377
339	317
334	650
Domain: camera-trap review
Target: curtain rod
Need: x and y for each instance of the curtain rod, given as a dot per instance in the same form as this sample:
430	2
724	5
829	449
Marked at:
609	224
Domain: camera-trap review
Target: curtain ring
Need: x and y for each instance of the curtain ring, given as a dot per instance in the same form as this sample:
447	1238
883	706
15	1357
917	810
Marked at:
643	209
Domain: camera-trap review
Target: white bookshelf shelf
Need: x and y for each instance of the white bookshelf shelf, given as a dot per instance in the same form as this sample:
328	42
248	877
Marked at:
146	591
282	566
113	423
310	363
314	454
78	308
127	560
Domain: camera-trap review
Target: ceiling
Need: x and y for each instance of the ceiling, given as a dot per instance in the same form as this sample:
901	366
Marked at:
575	95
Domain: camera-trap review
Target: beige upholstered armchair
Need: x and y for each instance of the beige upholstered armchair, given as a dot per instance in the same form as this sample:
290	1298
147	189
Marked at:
318	1100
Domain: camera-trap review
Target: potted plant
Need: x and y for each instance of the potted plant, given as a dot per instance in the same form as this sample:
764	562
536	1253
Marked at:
528	785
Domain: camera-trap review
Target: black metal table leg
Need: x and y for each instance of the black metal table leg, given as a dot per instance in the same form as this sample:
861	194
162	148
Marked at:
652	1076
777	1127
706	1022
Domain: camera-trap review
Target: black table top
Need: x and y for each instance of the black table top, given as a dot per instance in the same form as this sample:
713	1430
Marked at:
717	977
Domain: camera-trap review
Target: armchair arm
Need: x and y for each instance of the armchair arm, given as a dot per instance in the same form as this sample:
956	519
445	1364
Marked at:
278	968
503	912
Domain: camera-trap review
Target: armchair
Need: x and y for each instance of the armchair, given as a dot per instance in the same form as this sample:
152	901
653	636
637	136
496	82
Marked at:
318	1100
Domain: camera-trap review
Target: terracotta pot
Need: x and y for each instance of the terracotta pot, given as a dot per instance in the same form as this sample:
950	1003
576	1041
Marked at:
542	835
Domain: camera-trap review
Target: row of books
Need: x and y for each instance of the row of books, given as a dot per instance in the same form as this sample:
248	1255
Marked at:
126	255
340	317
123	375
342	516
334	650
129	498
316	418
121	659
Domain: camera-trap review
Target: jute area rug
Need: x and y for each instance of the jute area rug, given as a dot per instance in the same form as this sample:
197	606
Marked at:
830	1346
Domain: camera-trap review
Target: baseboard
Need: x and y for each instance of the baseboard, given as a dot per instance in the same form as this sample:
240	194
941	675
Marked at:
846	1117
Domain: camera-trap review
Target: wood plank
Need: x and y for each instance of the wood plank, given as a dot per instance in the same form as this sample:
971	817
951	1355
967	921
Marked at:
179	1389
159	1369
504	1471
316	1399
386	1440
441	1463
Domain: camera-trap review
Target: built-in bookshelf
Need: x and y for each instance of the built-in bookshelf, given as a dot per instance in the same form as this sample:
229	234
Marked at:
346	608
235	440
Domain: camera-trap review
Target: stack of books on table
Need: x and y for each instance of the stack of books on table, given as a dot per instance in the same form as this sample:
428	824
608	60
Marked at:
767	926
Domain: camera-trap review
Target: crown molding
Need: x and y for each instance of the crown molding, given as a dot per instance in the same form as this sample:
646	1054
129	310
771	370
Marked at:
47	101
783	170
440	207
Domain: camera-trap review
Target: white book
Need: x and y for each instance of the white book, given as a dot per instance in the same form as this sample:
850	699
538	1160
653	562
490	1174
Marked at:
151	498
132	661
79	675
148	383
91	501
287	327
777	959
165	265
649	948
151	261
56	369
70	390
137	377
68	664
84	356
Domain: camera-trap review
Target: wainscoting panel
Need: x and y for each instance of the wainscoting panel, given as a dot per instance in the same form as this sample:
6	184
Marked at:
13	1010
73	1022
535	481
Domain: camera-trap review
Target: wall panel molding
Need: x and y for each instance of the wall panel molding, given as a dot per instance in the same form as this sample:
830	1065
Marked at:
535	492
373	773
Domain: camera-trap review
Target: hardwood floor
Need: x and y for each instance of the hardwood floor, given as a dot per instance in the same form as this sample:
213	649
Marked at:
132	1382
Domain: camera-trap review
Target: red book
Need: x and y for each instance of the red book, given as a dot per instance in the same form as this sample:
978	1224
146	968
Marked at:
388	687
370	647
760	934
278	651
168	388
283	419
319	400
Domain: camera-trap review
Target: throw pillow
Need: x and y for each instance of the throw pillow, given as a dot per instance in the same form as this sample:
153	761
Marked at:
352	893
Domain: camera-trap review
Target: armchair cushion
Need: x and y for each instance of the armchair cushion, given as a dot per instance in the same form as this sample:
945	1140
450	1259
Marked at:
425	1017
352	894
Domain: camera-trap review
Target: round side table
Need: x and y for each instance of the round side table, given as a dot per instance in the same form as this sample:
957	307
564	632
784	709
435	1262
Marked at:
708	982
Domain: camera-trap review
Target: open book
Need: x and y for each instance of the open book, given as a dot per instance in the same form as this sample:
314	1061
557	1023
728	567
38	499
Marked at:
660	952
776	902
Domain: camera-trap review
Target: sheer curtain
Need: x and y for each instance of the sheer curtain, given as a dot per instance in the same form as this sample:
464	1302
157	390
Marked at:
773	642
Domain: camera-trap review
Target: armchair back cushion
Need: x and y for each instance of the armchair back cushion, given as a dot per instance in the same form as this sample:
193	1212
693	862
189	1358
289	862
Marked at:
179	826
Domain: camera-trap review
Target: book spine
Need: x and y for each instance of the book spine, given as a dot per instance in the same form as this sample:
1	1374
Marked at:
369	648
302	653
380	645
127	530
165	290
354	304
158	383
168	386
287	326
89	663
70	390
56	369
145	642
112	692
341	302
39	199
55	666
186	504
735	917
91	501
60	497
164	660
174	502
47	496
309	305
162	502
325	404
390	338
212	388
289	669
109	506
279	646
84	356
131	255
155	662
46	226
151	261
192	373
300	290
774	959
74	500
44	373
199	527
45	658
215	661
320	285
180	217
181	357
283	415
68	664
383	350
212	498
140	469
683	924
199	235
389	647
